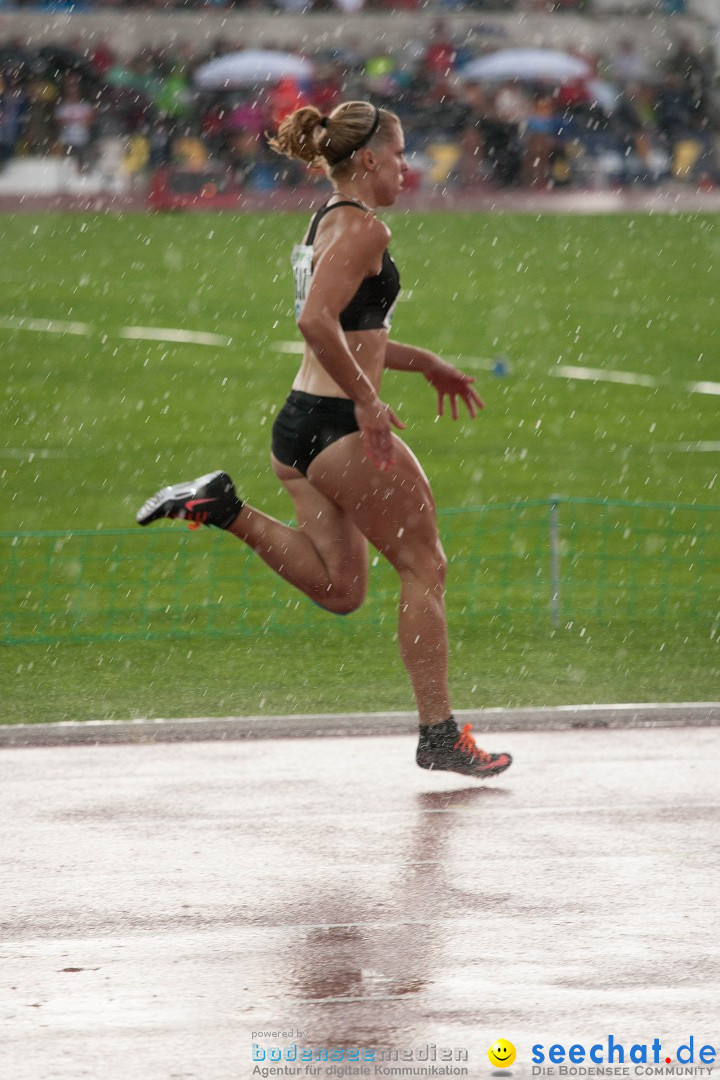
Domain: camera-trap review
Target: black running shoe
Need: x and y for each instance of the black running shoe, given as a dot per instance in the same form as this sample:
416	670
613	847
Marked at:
209	500
460	755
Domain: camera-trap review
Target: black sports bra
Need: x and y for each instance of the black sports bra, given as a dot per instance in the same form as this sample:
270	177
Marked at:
371	307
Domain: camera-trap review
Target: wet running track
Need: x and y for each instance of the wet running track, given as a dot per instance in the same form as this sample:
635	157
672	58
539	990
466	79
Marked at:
160	903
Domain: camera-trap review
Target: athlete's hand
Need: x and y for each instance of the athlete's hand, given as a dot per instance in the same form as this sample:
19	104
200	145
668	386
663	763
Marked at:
376	421
450	382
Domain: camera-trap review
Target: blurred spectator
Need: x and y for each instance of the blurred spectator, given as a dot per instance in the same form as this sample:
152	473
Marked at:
512	105
243	122
505	132
641	98
284	98
628	65
379	72
328	88
241	152
472	165
40	129
673	110
75	118
174	95
441	54
246	115
540	141
634	118
121	109
102	58
212	127
13	107
687	66
157	144
572	95
189	153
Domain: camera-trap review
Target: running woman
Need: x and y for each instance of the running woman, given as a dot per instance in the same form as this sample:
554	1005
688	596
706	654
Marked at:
352	480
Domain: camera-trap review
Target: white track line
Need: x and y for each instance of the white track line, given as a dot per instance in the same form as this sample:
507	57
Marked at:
21	453
45	326
141	333
160	333
603	375
629	378
704	387
689	448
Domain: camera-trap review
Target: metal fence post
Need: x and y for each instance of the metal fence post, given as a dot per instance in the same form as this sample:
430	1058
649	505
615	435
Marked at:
554	538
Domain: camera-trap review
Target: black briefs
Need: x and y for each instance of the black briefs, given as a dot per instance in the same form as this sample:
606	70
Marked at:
307	425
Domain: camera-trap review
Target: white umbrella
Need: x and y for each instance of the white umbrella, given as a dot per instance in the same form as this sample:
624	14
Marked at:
249	67
526	64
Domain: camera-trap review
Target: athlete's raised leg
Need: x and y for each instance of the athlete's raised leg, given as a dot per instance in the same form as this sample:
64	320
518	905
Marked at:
325	556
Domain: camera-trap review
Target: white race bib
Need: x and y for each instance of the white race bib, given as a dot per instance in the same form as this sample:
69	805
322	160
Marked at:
302	260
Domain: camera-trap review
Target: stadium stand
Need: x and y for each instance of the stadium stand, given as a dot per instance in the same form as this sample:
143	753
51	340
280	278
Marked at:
101	98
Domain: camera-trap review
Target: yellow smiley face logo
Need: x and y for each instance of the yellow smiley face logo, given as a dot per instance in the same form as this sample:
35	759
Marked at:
501	1053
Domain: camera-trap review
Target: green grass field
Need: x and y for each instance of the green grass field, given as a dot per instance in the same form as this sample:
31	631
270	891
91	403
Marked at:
93	421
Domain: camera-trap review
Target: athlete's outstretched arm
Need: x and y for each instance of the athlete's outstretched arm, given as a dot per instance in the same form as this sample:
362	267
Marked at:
447	380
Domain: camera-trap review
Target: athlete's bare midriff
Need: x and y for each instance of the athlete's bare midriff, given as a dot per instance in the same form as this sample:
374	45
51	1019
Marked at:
368	348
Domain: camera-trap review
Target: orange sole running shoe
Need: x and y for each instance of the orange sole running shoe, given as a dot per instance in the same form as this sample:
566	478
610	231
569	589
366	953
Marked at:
462	756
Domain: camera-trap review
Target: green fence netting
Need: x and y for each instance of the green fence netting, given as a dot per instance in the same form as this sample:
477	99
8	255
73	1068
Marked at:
555	559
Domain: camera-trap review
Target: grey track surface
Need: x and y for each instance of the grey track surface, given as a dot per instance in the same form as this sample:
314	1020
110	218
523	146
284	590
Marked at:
162	901
192	729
